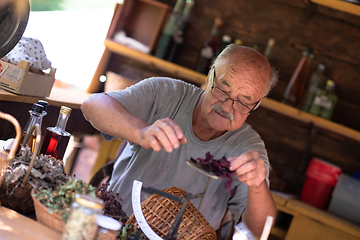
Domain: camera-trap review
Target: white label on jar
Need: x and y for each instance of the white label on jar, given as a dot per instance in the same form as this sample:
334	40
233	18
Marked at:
323	101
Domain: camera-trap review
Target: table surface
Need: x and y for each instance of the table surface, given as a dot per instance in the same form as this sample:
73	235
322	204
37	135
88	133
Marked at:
59	96
16	226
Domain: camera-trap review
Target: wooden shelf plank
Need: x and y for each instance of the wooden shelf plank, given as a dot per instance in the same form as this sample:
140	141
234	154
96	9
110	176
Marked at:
340	5
308	118
160	64
323	217
198	78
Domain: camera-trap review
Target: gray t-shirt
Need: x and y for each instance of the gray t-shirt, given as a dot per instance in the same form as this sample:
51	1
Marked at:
157	98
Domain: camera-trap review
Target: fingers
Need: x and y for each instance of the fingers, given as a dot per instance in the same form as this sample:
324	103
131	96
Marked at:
163	133
249	168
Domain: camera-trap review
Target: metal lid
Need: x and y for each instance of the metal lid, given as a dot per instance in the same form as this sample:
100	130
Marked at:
89	201
108	222
37	108
65	110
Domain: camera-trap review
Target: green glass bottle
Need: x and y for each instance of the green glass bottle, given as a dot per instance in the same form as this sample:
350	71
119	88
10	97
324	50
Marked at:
317	81
325	101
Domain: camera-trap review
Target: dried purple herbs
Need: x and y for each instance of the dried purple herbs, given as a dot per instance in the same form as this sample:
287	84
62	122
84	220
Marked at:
220	167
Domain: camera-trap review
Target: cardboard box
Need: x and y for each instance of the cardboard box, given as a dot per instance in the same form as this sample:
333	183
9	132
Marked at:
19	80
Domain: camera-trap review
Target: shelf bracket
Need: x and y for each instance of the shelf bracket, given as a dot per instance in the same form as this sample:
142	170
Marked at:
310	7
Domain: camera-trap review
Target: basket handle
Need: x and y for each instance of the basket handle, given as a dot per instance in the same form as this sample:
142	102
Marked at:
10	156
37	128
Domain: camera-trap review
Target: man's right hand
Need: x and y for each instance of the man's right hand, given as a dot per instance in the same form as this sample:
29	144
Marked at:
163	133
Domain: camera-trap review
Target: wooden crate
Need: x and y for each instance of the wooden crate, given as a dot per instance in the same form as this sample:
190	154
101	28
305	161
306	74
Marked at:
141	20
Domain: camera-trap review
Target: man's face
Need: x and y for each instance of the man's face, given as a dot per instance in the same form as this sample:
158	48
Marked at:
243	84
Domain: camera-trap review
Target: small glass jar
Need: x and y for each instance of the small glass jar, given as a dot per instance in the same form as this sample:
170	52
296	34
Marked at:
81	224
108	228
242	232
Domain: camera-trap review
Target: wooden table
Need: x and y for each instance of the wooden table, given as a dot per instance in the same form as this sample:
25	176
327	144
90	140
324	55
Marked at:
311	223
16	226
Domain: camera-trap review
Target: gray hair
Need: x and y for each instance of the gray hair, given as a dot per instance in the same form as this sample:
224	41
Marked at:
231	48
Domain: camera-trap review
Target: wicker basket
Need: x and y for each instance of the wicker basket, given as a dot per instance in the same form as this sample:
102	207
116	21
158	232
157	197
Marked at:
160	213
17	196
51	220
5	157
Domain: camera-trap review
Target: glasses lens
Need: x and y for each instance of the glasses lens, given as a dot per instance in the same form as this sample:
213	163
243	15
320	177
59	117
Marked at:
220	95
241	108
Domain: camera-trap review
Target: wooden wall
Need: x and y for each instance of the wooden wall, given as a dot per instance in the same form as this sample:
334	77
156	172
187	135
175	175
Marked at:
335	38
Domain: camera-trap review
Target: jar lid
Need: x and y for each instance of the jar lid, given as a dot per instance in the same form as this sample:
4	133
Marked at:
108	222
89	201
37	108
44	103
65	110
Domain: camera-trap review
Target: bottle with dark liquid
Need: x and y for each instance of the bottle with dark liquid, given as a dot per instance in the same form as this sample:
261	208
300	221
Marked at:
209	48
36	116
56	138
294	90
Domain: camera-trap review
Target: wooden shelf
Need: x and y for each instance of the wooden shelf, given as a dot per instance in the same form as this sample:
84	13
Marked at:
310	118
157	63
199	79
340	5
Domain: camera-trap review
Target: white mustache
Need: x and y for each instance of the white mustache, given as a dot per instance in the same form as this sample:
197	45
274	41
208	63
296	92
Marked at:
220	111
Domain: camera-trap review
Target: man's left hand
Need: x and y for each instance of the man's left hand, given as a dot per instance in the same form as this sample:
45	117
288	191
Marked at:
249	168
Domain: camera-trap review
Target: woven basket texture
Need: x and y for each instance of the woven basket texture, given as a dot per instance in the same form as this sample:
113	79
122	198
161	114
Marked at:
20	200
51	220
4	164
160	213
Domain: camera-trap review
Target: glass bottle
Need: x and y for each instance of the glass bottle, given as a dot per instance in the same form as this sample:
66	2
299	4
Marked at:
295	88
210	46
178	34
56	138
325	101
168	31
317	81
269	47
238	42
81	223
226	40
36	117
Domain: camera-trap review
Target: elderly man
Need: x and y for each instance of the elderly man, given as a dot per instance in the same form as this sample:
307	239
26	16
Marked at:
168	121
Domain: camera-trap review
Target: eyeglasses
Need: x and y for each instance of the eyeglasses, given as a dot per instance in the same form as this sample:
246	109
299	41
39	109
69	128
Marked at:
223	97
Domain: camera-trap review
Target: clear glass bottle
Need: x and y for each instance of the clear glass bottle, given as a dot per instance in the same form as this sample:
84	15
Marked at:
317	81
294	90
210	46
325	101
36	117
178	34
56	138
81	223
166	36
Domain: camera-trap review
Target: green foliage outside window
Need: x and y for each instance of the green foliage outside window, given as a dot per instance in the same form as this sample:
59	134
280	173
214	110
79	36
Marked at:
59	5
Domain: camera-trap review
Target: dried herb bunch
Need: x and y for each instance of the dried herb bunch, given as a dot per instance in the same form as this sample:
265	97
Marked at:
59	199
47	171
220	167
112	205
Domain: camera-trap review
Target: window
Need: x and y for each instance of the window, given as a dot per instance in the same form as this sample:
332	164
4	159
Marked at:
72	33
